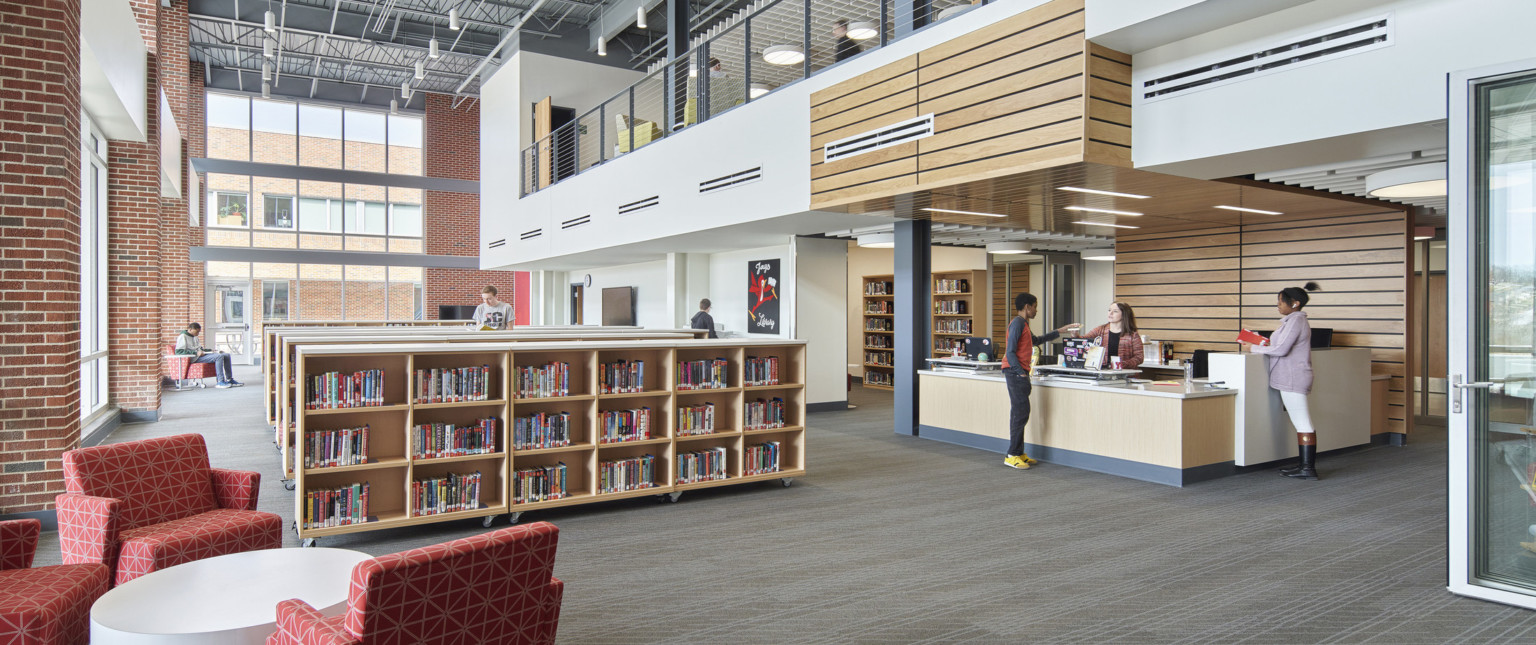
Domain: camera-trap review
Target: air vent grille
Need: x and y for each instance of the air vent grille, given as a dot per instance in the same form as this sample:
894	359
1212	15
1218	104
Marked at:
528	235
891	135
639	205
497	243
731	181
1346	39
575	222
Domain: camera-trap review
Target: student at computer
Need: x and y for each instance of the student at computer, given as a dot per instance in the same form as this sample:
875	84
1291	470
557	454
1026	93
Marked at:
1290	371
1016	363
1119	337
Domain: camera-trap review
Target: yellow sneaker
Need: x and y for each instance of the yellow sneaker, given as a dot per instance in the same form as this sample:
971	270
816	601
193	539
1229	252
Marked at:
1027	460
1016	461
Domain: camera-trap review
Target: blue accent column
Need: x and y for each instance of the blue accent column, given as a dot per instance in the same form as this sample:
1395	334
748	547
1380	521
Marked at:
914	302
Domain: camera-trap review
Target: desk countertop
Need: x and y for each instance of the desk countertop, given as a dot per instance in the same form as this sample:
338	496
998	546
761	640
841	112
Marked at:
1199	390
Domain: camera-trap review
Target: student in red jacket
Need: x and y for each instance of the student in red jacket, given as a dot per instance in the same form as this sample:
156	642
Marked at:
1016	362
1119	337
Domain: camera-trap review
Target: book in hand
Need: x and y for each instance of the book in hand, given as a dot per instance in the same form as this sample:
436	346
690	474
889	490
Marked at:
1246	336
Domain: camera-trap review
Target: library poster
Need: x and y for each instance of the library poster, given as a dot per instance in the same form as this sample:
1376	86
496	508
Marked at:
763	297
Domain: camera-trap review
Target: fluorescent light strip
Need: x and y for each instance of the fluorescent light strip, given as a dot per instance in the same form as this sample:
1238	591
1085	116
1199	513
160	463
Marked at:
946	210
1106	211
1103	224
1240	209
1091	191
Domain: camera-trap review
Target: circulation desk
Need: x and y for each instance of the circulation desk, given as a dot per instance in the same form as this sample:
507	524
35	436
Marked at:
1173	435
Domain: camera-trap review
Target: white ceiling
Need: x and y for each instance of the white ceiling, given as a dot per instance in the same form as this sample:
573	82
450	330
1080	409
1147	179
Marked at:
1348	177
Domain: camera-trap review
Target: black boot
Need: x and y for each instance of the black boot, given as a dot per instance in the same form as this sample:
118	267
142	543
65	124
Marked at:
1308	467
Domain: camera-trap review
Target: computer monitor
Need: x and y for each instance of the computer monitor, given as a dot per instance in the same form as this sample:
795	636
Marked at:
1322	337
975	346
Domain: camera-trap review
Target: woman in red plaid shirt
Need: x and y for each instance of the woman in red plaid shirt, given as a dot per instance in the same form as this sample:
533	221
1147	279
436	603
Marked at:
1119	337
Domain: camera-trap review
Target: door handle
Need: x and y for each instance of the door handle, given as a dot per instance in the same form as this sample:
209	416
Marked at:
1495	386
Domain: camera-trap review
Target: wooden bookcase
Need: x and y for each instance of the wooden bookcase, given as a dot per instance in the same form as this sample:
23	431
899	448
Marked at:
392	467
879	331
960	308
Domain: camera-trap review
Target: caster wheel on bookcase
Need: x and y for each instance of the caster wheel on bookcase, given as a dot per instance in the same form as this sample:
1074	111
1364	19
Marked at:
487	521
671	498
513	517
309	543
786	481
290	484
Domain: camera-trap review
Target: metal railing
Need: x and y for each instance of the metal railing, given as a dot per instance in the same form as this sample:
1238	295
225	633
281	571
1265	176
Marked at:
767	46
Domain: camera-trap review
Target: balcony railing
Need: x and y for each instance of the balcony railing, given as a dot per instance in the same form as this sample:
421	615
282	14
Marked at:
768	46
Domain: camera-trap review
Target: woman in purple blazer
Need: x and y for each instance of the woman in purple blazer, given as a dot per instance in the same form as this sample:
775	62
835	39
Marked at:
1290	371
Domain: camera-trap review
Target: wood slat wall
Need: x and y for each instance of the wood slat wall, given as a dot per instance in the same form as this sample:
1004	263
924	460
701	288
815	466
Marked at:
1198	288
1024	93
1005	286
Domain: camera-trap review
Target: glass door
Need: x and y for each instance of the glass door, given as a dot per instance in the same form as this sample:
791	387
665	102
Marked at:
229	321
1492	366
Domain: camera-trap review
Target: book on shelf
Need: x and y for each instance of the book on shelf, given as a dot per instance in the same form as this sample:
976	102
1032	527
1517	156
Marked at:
336	390
332	507
541	430
622	377
946	286
695	420
701	465
331	448
445	494
952	326
702	375
761	458
761	371
629	474
550	380
952	307
764	414
453	385
879	288
878	307
438	440
618	426
539	484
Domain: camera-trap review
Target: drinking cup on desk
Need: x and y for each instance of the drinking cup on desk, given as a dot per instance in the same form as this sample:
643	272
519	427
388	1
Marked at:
1114	362
1189	369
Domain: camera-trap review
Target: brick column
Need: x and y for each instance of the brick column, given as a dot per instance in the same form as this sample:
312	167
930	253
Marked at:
39	248
176	286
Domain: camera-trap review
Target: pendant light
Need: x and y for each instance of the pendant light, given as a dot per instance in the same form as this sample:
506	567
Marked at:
268	48
421	70
453	18
432	49
640	16
266	90
270	22
266	72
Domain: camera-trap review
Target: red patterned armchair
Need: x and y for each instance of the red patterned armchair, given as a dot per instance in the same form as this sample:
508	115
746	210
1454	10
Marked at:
142	506
46	605
181	368
494	587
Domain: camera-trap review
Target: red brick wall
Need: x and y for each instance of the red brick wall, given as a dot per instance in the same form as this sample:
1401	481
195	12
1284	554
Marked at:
177	287
39	247
197	146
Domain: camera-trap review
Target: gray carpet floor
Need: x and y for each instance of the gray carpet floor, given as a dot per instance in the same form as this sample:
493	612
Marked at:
900	540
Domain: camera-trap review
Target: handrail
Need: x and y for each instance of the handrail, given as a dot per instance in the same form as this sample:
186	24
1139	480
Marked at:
560	154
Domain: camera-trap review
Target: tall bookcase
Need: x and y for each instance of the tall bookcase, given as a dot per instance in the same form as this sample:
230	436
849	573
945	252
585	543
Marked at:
960	300
879	331
733	448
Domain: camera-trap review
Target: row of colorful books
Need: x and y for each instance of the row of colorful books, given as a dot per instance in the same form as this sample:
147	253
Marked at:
701	465
761	415
437	440
879	378
621	377
876	324
695	419
761	371
553	379
617	426
540	484
881	340
333	390
882	358
331	448
342	506
445	494
626	474
879	288
950	307
453	384
761	458
542	430
952	326
945	286
878	307
702	375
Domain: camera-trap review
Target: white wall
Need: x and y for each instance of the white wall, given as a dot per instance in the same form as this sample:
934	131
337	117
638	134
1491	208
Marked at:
1343	109
1098	290
728	288
113	90
863	262
821	315
500	96
573	84
650	282
1132	26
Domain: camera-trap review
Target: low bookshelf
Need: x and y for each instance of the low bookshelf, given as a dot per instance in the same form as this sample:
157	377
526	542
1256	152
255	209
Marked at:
960	309
879	331
574	422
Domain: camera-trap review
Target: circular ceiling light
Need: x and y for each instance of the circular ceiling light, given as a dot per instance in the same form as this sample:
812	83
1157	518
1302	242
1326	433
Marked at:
878	240
1008	248
783	55
862	30
756	90
1098	254
1408	182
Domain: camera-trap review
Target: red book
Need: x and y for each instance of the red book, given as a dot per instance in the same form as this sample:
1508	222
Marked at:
1246	336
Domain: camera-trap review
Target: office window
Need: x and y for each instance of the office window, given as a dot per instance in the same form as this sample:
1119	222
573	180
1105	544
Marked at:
368	218
320	215
274	300
405	220
93	271
231	209
277	211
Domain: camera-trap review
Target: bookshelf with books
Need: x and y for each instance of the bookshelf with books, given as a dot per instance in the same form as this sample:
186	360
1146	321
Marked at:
960	309
879	331
566	443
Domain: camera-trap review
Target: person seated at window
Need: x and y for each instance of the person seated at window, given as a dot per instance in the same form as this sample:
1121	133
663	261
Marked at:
188	344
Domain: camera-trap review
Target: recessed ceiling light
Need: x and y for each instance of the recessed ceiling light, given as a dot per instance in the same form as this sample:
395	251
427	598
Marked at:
1240	209
1008	248
758	90
783	55
1406	182
1104	224
946	210
862	30
1106	211
1091	191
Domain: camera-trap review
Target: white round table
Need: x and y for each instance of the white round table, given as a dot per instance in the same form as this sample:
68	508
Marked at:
228	599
